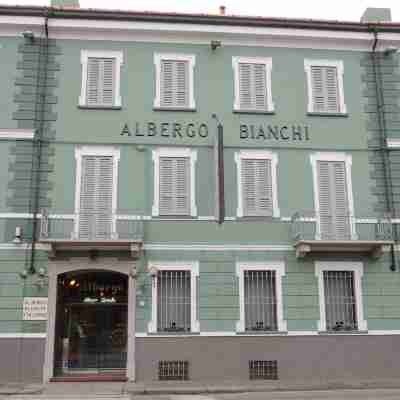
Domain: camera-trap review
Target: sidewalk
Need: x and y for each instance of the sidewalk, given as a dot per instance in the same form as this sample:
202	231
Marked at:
123	390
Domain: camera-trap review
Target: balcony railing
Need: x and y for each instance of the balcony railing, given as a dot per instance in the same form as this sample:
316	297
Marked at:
89	227
312	232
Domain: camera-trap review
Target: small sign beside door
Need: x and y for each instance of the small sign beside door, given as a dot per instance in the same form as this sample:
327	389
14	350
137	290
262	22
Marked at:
35	309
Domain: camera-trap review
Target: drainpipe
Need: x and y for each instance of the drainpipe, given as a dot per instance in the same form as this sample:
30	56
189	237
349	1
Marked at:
383	148
38	139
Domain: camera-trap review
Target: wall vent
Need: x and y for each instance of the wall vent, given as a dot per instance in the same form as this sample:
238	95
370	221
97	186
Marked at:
263	369
173	370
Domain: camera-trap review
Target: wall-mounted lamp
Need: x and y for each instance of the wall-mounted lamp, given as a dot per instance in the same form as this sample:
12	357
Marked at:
28	35
390	50
18	235
215	44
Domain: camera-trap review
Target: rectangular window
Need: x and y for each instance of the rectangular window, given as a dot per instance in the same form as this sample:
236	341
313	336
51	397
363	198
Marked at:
260	301
333	200
174	81
252	77
174	186
257	184
260	297
325	86
174	296
96	192
174	182
100	79
340	302
340	296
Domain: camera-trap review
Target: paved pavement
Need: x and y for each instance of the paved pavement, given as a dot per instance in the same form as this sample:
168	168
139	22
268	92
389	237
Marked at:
359	394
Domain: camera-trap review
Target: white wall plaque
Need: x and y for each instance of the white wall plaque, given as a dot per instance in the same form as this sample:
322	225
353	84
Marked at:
35	309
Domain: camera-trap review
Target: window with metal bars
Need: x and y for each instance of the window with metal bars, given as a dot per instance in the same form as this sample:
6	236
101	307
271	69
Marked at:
340	301
173	370
174	301
263	369
260	301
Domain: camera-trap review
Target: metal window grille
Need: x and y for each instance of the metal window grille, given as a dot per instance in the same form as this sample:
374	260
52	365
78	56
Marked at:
260	301
263	369
173	370
174	298
340	302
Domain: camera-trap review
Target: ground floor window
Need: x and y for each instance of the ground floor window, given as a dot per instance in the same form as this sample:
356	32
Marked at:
174	297
340	296
91	322
260	296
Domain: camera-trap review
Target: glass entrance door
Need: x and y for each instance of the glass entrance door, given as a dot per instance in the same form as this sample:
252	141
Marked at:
91	324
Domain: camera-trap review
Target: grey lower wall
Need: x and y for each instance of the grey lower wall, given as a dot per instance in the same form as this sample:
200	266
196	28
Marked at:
21	360
334	358
324	358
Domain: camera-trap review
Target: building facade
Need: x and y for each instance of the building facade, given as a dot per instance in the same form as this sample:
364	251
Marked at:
137	244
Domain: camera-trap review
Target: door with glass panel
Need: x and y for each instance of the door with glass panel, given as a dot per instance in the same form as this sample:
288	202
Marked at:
91	323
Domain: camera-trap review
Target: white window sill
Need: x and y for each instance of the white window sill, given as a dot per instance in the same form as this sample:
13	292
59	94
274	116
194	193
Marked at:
327	114
99	107
262	112
163	108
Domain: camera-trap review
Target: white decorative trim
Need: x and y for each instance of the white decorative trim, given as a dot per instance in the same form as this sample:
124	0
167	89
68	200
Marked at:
279	268
85	55
393	143
216	247
174	152
17	133
268	81
23	335
358	269
308	63
158	58
193	267
106	151
261	155
333	156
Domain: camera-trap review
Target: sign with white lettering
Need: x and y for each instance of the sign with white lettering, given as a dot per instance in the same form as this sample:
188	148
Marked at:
34	309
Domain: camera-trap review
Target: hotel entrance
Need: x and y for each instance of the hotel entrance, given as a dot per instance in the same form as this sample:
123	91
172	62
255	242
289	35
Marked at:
91	324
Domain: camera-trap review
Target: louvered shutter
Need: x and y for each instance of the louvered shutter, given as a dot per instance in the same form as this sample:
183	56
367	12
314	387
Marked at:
95	218
257	187
100	81
174	186
325	92
252	87
333	200
174	83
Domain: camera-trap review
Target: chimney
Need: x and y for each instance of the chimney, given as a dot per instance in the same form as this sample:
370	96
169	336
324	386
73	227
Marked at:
65	3
222	10
372	14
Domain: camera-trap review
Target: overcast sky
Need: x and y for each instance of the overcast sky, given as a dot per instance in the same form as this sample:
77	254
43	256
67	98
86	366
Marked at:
344	10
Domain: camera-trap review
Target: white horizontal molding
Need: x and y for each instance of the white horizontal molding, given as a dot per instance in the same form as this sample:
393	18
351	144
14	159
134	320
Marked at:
216	247
16	133
393	143
22	335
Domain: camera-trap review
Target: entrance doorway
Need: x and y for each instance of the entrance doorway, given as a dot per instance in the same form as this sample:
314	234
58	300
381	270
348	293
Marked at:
91	323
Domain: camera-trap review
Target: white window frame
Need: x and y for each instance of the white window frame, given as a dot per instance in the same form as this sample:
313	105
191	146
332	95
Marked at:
333	156
158	58
358	270
105	151
267	61
118	56
174	152
338	64
279	268
193	267
257	155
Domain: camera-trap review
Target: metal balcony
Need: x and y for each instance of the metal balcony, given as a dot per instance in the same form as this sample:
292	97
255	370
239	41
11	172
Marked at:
312	233
91	231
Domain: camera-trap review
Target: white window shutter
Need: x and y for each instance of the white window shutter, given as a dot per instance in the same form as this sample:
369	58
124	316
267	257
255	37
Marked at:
257	187
252	86
101	81
174	83
95	218
174	186
325	93
333	200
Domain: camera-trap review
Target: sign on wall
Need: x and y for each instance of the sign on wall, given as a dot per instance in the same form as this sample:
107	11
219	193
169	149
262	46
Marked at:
34	309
